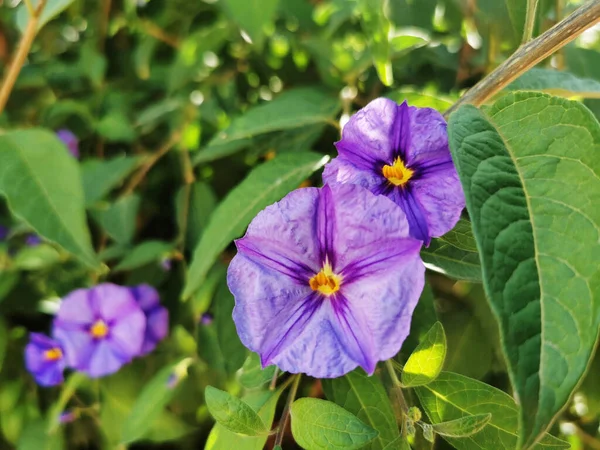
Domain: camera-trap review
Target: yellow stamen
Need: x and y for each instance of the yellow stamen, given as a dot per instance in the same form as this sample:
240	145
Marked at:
99	330
326	282
397	174
54	354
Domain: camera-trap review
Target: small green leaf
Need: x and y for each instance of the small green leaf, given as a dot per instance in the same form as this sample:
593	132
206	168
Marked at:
36	258
145	253
427	360
42	184
463	427
365	397
555	82
119	218
252	16
152	400
99	177
233	413
428	432
252	375
266	184
319	424
452	396
52	9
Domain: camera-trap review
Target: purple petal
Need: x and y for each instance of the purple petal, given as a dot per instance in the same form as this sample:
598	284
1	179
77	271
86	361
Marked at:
76	308
46	372
70	140
111	302
340	170
157	328
3	232
326	226
426	138
106	359
146	297
417	220
371	135
127	334
77	344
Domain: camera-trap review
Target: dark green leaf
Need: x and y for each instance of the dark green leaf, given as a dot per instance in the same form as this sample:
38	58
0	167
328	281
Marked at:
426	362
119	218
517	9
101	176
463	427
252	375
201	203
563	84
252	17
36	437
233	413
452	396
145	253
319	424
534	158
366	398
42	183
266	184
230	345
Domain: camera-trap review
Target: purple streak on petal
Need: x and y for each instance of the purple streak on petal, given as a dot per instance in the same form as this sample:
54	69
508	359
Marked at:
70	140
46	373
417	221
326	226
371	135
403	131
269	254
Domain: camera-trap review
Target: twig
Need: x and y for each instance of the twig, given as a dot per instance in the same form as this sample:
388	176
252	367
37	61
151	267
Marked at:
158	33
188	179
153	159
529	20
103	25
588	440
528	55
22	51
286	411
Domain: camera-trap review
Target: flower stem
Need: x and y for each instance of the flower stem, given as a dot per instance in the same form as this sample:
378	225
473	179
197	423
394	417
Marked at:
529	54
273	384
399	403
22	51
529	20
286	411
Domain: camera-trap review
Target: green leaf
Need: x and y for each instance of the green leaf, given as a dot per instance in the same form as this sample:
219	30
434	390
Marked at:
201	203
229	342
119	218
426	362
517	10
554	82
252	16
292	109
534	158
52	9
252	375
266	184
36	258
115	126
36	437
454	254
3	341
424	317
42	184
452	396
264	404
376	26
145	253
365	397
233	413
422	100
99	177
400	443
319	424
463	427
152	400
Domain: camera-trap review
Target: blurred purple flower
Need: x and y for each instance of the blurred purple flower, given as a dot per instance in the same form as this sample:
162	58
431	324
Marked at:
166	264
68	416
326	280
4	232
70	140
157	317
100	329
33	240
402	152
207	318
45	360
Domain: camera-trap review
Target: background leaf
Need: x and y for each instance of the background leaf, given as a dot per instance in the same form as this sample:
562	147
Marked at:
463	427
52	9
233	414
253	16
427	360
119	218
554	82
520	157
99	177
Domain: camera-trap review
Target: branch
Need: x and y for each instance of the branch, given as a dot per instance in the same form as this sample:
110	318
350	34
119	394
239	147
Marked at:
531	53
22	51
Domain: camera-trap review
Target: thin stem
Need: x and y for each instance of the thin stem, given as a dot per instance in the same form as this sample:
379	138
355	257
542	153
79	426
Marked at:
22	51
560	57
399	403
188	178
273	384
29	7
153	159
392	372
529	20
158	33
531	53
286	411
103	25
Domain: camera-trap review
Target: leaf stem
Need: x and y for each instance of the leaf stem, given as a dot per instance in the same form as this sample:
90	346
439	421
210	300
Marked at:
22	51
273	384
529	54
392	372
286	411
529	20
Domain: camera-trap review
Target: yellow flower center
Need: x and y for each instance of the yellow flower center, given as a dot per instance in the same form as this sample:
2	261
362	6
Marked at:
326	282
54	354
397	174
99	330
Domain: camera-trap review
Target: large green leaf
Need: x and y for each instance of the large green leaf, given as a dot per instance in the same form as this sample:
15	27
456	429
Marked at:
99	177
454	254
530	170
119	218
319	424
229	342
427	360
252	16
43	186
554	82
293	109
233	413
451	396
266	184
366	398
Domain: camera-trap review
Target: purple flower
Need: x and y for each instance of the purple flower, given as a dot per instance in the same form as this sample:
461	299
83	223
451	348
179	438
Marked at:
402	152
157	317
207	318
70	140
68	416
3	232
166	264
33	240
44	359
100	328
326	280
